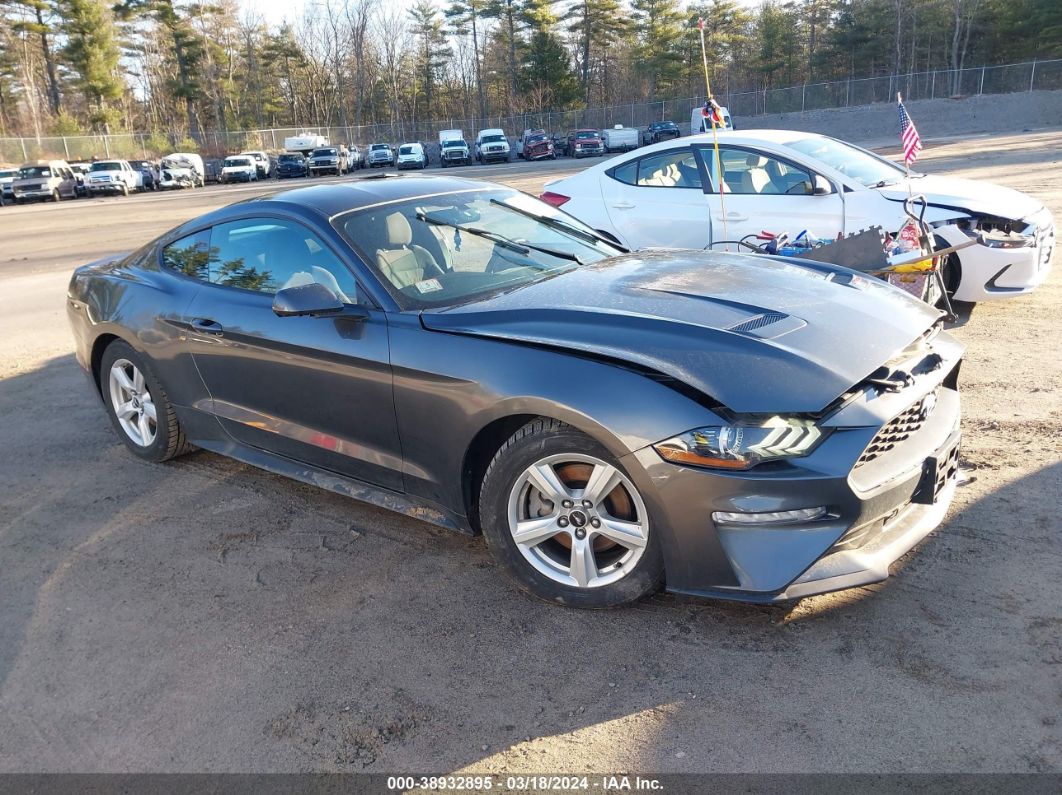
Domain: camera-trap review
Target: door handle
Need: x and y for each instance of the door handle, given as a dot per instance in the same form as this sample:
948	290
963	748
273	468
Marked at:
207	326
731	217
623	205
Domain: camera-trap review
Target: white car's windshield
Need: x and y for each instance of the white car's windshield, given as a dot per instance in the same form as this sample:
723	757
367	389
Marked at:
864	167
491	139
443	250
28	172
380	147
109	166
325	152
234	162
405	150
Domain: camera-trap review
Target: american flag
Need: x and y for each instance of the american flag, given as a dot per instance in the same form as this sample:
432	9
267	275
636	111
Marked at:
912	143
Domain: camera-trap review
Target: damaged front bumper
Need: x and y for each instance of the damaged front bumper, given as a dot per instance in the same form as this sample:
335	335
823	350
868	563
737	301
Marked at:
880	482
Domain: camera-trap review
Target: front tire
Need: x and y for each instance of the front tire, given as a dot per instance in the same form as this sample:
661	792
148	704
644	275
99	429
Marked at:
138	406
566	522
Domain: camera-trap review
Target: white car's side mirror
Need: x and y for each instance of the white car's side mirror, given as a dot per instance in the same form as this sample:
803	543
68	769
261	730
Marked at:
821	186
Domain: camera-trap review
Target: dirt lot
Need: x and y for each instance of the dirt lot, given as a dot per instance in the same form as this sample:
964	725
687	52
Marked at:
203	615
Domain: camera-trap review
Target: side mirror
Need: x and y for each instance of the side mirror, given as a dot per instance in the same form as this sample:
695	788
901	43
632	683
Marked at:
306	299
821	186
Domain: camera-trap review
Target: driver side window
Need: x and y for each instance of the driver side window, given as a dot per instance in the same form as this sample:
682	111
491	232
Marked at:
748	172
269	254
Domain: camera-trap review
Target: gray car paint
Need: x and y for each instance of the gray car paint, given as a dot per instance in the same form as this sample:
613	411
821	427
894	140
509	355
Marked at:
637	352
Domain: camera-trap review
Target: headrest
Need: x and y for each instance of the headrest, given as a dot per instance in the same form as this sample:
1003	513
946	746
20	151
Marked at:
755	161
398	231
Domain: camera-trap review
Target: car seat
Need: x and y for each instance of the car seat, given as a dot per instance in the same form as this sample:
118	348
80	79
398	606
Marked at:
402	263
755	178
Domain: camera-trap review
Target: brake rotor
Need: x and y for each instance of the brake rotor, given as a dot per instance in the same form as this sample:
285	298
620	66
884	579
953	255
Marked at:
575	475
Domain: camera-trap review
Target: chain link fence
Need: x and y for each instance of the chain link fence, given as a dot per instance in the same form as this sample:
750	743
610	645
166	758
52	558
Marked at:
1010	78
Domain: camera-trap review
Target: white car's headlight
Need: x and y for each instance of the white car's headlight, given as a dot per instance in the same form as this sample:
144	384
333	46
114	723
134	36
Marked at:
742	446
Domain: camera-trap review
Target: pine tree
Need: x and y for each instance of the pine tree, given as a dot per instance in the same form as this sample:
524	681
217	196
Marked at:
596	25
658	25
546	76
433	49
465	16
92	52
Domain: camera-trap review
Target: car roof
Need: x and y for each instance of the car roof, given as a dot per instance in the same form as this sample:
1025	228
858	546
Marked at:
333	199
754	136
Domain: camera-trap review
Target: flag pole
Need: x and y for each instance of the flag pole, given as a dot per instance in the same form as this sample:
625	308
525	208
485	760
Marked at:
906	164
715	137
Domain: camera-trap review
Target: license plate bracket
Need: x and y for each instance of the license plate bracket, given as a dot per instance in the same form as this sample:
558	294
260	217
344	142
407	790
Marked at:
937	471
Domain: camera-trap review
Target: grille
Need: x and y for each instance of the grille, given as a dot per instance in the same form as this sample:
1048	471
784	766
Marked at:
896	431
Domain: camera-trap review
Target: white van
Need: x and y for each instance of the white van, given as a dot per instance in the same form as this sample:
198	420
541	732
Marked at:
699	122
412	155
492	146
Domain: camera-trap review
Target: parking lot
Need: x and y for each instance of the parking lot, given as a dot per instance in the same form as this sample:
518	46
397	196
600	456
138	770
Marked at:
205	616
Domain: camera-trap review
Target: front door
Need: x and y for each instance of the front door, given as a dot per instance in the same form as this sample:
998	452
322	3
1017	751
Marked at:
659	200
314	389
766	193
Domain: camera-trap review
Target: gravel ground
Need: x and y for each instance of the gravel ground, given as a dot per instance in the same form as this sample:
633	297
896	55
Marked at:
206	616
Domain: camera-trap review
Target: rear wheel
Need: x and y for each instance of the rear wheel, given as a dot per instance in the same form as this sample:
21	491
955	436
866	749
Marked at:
566	521
138	406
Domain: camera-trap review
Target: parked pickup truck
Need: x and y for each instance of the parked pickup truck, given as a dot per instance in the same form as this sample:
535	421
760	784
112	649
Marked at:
585	143
112	176
329	160
535	145
381	155
620	139
453	150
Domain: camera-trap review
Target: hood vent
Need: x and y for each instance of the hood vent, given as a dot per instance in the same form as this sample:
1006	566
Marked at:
757	322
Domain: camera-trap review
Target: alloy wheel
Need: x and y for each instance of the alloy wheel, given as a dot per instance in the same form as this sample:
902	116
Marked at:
578	520
132	403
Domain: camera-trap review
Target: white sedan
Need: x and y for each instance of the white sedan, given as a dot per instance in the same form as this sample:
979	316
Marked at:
785	181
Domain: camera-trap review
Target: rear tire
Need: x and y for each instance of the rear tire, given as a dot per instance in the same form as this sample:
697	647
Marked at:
131	394
582	546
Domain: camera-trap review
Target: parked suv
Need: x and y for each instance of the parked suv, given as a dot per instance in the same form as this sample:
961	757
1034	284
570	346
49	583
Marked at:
660	131
492	146
412	155
112	176
381	155
291	164
585	143
45	179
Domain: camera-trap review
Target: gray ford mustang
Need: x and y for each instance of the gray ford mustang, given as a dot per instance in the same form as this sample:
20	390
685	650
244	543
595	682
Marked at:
729	425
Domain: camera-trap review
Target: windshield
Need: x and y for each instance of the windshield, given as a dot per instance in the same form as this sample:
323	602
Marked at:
586	134
449	249
406	150
491	139
380	147
448	144
325	152
108	166
289	159
237	161
34	171
864	167
534	139
6	173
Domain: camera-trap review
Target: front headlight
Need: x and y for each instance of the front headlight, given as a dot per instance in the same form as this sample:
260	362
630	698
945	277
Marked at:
742	446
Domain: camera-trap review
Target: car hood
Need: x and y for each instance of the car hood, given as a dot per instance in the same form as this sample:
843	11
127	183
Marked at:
964	194
757	334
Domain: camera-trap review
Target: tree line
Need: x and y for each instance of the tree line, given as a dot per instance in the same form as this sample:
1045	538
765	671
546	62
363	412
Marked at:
181	68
